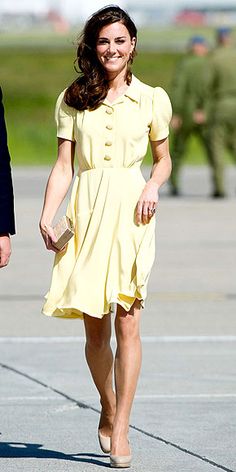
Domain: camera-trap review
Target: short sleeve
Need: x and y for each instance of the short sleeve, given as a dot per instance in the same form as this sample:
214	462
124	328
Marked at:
65	119
161	115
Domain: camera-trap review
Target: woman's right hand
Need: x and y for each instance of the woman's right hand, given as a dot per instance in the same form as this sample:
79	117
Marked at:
48	236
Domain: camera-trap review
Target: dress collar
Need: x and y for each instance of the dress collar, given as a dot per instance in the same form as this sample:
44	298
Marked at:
133	92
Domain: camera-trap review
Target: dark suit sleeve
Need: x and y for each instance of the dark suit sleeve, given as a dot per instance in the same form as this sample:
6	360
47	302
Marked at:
7	219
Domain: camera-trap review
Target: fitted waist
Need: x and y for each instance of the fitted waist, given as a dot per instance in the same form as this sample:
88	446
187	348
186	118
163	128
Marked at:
111	170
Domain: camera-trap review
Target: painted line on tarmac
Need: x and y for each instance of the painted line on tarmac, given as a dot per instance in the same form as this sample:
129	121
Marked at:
188	339
49	387
137	397
182	449
158	296
144	339
28	398
186	396
142	431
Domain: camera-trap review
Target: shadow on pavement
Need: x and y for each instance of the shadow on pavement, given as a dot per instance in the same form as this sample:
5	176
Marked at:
21	450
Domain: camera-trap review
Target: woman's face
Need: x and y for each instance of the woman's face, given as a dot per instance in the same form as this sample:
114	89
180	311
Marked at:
114	46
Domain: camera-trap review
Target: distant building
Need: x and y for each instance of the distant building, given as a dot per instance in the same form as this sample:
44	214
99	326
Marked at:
209	16
21	16
17	22
58	22
190	18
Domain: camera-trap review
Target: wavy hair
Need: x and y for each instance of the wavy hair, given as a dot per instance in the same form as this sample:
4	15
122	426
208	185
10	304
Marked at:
89	90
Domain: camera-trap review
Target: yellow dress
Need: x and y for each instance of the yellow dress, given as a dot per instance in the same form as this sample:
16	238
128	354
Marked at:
110	257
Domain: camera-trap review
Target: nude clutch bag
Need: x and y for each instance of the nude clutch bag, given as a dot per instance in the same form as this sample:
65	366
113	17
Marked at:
63	231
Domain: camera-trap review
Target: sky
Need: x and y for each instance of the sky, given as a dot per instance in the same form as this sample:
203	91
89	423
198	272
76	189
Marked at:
75	8
93	5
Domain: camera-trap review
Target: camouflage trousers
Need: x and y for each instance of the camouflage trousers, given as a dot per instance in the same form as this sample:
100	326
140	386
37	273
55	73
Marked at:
221	137
217	136
178	145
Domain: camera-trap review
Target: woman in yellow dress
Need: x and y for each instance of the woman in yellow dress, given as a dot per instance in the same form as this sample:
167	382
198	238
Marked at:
105	119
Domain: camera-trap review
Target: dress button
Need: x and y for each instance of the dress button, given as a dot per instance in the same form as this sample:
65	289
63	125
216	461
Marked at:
107	158
108	143
109	111
109	127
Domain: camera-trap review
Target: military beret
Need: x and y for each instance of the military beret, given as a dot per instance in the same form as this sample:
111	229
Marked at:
197	40
223	31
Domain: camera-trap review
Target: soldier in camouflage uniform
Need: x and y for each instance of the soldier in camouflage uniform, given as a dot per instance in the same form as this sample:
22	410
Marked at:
189	100
221	122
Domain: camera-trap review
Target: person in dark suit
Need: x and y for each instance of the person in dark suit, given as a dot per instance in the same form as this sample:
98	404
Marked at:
7	219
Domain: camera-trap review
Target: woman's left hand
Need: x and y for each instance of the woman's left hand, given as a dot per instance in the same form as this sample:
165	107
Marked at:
147	203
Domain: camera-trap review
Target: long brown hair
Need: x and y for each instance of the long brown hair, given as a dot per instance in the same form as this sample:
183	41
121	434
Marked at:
90	88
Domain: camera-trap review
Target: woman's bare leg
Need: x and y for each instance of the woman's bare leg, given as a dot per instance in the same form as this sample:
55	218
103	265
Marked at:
100	361
127	367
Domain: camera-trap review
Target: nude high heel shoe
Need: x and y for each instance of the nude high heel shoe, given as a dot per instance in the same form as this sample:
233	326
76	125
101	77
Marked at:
105	442
120	461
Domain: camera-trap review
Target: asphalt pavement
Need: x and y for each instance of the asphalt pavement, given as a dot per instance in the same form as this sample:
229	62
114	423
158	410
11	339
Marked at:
184	414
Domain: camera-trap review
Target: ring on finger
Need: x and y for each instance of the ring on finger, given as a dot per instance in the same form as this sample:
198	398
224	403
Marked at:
151	210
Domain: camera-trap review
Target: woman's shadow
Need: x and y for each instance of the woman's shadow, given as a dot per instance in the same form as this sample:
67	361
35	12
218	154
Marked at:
21	450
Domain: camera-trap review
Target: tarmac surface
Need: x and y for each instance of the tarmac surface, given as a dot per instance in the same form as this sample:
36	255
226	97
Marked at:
184	414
